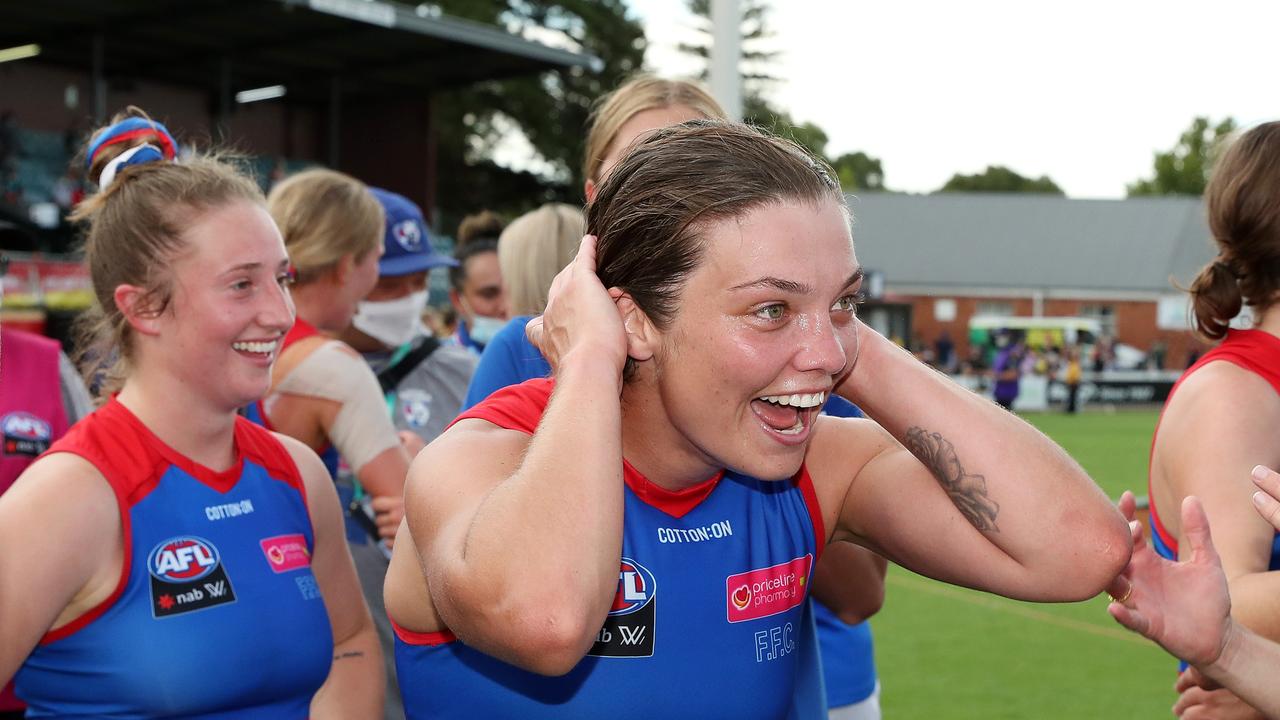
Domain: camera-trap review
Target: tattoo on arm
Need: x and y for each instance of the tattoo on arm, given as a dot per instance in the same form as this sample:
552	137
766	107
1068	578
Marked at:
349	654
967	490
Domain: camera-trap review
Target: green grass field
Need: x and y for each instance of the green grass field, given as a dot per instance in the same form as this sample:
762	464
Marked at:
949	653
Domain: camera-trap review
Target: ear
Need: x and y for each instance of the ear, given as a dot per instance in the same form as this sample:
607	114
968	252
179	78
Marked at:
134	303
589	188
342	271
642	336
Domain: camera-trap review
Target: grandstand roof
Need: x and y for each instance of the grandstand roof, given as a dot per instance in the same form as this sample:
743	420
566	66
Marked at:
959	242
373	47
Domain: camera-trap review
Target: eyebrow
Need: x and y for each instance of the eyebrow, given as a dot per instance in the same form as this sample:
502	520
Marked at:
790	286
251	266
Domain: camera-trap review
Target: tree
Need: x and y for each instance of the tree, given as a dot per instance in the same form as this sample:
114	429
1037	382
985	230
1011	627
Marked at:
859	171
755	59
997	178
1184	170
549	109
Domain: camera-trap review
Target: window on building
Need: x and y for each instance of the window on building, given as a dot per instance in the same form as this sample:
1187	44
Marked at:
1104	314
993	308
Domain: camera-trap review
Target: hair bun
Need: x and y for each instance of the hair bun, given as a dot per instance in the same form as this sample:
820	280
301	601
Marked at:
122	136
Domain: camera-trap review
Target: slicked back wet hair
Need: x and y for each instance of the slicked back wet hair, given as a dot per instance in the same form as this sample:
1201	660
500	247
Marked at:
650	212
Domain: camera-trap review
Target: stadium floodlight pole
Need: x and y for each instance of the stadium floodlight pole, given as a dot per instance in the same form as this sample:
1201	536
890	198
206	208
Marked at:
726	56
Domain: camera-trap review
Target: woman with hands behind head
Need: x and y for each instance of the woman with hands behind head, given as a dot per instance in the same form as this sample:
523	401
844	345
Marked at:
1185	608
646	522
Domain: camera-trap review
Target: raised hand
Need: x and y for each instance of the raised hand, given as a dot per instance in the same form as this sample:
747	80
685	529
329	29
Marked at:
581	315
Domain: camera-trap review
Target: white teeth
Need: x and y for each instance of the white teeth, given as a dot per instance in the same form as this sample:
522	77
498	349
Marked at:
255	347
807	400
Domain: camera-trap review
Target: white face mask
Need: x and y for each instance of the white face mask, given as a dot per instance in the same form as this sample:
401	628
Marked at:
391	322
483	328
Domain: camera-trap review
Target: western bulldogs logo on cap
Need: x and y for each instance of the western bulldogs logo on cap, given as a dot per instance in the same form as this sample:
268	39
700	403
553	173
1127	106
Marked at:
186	574
408	234
25	434
628	630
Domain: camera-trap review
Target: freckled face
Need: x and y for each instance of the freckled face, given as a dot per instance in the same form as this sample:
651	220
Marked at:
765	330
231	305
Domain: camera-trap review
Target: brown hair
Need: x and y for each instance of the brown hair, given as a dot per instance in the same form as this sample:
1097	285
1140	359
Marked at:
324	216
135	229
1243	199
642	92
484	225
648	214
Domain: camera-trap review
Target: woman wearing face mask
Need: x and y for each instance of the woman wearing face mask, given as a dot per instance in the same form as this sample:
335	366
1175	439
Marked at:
423	380
475	282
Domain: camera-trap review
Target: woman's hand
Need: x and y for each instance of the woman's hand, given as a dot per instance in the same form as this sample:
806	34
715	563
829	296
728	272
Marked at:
581	315
1182	606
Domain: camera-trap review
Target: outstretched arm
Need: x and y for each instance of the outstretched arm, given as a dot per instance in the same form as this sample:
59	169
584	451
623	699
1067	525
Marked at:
1185	608
953	487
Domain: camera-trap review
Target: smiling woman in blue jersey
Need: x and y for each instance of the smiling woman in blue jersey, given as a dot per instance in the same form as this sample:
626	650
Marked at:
692	346
167	558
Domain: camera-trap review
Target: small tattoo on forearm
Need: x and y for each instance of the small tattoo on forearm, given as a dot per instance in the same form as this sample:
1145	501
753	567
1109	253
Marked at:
349	654
967	490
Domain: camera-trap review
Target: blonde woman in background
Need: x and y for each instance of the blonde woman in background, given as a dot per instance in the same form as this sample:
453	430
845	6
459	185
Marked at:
322	392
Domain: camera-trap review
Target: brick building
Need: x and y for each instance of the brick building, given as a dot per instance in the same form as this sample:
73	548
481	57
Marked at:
943	259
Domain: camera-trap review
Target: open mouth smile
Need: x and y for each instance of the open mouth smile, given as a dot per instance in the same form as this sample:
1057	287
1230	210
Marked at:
789	416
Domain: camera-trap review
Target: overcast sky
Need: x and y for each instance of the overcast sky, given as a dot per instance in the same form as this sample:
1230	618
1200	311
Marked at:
1082	91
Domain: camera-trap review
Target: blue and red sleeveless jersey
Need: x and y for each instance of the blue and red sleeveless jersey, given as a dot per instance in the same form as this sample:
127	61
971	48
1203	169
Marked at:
706	621
217	613
1259	353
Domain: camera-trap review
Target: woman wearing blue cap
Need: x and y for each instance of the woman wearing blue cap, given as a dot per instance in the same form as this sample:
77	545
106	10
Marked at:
168	558
422	378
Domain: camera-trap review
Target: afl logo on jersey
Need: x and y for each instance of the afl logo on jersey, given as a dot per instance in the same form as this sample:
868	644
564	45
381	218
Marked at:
636	588
25	434
183	559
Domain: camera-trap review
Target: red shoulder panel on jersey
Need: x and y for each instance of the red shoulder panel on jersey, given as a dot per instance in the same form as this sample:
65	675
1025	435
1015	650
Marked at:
515	407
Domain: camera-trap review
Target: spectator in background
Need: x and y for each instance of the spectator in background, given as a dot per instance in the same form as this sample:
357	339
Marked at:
532	250
1220	420
41	396
944	352
476	291
1006	370
422	379
1071	378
